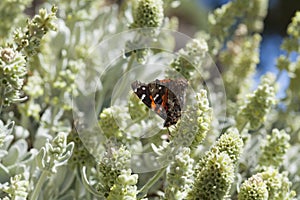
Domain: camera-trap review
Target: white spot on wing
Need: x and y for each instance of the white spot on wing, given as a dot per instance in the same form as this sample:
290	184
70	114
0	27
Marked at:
143	97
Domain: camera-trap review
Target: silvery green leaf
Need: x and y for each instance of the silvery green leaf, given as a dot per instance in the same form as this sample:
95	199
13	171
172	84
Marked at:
22	146
46	117
17	168
16	152
4	174
29	156
67	178
3	153
11	157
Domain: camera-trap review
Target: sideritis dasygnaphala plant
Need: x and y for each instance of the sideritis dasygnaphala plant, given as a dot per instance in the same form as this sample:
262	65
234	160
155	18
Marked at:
72	128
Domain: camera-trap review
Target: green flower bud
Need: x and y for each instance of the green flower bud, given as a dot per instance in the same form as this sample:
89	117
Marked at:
149	13
231	143
18	188
274	150
204	118
253	189
239	61
257	105
179	176
111	167
293	28
29	39
108	123
214	179
190	57
283	63
291	43
125	187
278	184
12	73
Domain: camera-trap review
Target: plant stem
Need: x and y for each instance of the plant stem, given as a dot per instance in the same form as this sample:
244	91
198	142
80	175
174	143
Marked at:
38	187
2	93
143	191
277	76
86	183
54	112
241	128
128	67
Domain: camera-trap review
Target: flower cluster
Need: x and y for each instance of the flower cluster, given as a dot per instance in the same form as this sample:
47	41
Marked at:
124	187
274	150
179	176
194	126
12	58
148	16
204	118
263	97
239	61
18	187
269	184
115	173
214	179
149	13
42	157
54	154
30	38
222	20
12	74
231	143
190	58
253	189
109	123
291	43
215	170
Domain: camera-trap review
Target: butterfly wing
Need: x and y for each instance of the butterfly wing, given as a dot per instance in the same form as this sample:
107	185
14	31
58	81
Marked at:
164	97
152	95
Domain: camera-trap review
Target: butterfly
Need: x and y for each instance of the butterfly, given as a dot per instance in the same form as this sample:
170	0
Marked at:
165	97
